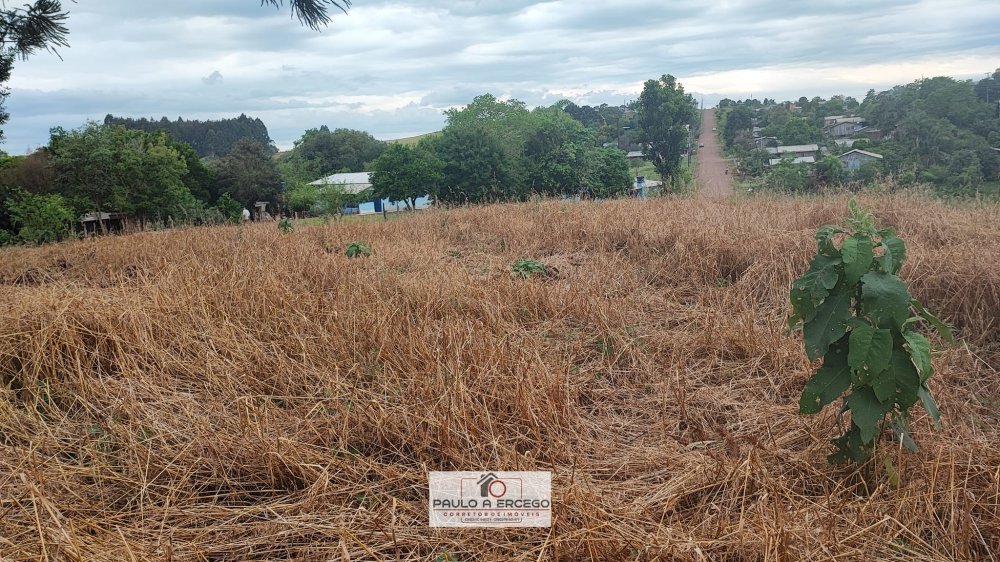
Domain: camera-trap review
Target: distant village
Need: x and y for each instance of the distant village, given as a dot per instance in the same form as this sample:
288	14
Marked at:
844	130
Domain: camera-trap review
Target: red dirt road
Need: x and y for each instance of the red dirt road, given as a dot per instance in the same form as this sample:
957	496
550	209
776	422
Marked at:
711	174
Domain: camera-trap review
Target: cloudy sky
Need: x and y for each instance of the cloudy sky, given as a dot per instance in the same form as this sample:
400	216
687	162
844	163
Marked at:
391	66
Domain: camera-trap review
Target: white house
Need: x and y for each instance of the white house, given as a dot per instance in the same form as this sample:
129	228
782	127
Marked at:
359	182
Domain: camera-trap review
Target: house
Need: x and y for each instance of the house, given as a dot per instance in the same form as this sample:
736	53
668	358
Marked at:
633	155
795	151
870	133
832	119
841	126
855	158
358	183
845	143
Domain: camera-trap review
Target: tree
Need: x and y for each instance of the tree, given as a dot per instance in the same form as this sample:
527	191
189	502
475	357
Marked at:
665	115
112	169
249	174
404	174
738	120
830	171
478	166
607	174
799	131
40	218
556	152
301	198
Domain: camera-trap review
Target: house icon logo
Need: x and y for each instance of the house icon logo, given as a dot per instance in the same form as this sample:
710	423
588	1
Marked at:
491	486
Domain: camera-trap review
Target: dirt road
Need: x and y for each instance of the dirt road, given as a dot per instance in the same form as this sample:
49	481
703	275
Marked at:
711	174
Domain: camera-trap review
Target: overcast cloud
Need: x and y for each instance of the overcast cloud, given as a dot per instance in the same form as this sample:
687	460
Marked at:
391	67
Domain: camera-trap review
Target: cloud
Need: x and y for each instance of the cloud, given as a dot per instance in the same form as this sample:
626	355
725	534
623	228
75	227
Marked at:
392	67
212	79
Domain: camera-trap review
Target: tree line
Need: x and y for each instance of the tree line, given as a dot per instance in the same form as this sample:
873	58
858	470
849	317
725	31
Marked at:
498	150
208	138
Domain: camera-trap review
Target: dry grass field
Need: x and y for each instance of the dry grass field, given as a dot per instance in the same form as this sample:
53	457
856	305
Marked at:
237	393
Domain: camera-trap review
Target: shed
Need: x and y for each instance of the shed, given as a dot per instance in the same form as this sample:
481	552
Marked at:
97	223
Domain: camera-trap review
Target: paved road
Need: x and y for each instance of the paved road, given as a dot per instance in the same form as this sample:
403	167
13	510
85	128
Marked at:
711	174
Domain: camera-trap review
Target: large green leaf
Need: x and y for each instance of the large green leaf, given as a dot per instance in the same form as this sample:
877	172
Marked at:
885	298
828	326
866	412
940	326
920	353
811	289
829	381
899	383
894	256
930	405
858	253
870	350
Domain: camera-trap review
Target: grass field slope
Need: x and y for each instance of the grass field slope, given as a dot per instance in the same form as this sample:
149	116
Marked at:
237	393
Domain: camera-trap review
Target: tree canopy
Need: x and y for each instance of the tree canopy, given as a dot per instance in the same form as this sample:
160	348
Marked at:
249	174
321	152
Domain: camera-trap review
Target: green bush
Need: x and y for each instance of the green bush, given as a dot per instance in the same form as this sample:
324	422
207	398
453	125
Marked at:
231	209
41	218
527	268
858	316
358	250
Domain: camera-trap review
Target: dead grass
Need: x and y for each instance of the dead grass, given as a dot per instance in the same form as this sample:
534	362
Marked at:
239	394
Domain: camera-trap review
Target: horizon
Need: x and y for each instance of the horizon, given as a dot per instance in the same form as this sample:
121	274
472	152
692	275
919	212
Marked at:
394	69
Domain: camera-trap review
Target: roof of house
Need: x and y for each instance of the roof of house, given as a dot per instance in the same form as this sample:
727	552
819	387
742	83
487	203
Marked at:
799	160
859	151
634	154
794	148
353	183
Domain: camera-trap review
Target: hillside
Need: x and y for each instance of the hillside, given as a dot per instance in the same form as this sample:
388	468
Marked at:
235	393
414	140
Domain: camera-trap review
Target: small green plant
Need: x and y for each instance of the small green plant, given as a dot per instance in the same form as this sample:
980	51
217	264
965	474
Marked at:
358	250
527	268
285	225
857	314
